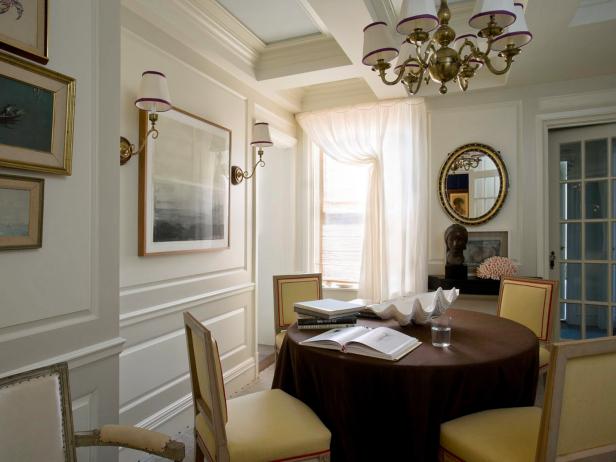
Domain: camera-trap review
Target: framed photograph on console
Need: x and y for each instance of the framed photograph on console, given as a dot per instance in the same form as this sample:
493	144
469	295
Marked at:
482	245
184	185
21	212
36	117
23	28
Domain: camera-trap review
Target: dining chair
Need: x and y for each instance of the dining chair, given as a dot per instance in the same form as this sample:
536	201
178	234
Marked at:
289	289
578	421
36	422
532	303
269	425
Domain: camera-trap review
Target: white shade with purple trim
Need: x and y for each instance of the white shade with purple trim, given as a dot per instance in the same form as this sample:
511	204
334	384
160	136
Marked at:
377	44
503	12
417	14
153	92
517	34
261	136
406	51
459	41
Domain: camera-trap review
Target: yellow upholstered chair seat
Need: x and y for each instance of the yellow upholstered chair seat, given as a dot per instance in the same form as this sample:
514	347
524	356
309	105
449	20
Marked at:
544	357
498	435
279	338
578	420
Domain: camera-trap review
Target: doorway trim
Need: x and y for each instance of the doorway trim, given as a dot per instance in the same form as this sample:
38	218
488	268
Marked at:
543	123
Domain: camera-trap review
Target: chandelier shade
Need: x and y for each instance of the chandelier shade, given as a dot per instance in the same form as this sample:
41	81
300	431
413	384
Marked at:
153	92
516	35
417	14
377	45
502	12
261	135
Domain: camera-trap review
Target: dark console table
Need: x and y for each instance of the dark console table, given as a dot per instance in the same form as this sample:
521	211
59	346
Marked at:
472	285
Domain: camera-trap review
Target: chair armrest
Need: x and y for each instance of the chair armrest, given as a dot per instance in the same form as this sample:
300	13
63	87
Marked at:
133	438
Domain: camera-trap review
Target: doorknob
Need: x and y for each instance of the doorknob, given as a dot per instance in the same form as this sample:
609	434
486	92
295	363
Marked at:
552	259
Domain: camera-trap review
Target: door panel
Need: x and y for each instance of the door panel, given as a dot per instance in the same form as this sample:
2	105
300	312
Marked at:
582	173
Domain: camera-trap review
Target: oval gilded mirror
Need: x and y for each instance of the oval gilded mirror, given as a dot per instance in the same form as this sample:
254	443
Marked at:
473	184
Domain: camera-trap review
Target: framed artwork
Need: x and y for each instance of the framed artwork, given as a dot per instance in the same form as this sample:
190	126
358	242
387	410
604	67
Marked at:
21	212
36	117
184	185
459	202
23	28
482	245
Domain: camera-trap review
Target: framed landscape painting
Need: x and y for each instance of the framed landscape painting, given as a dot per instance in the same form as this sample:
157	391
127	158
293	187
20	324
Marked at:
21	212
36	117
184	185
23	28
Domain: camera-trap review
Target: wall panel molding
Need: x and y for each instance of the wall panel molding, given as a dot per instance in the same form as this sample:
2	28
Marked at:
164	309
77	358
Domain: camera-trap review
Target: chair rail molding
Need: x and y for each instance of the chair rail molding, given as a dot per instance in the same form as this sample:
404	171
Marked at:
77	358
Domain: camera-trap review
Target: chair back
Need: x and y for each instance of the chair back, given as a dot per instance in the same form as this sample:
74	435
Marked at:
207	388
530	302
579	412
289	289
35	416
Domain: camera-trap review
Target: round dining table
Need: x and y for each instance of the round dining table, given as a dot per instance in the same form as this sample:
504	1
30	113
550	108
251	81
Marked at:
380	410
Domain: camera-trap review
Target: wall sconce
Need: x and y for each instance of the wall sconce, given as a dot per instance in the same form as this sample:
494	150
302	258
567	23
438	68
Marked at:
154	98
261	139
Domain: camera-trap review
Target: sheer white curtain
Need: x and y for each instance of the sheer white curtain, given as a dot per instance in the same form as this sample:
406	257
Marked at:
391	137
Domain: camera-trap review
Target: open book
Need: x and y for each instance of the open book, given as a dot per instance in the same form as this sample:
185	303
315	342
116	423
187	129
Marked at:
381	342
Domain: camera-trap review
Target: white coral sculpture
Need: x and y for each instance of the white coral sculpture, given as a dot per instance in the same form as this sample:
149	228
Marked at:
496	268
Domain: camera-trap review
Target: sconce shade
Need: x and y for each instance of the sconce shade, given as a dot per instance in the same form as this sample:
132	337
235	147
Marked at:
502	10
377	44
153	92
517	34
459	41
417	14
406	51
261	136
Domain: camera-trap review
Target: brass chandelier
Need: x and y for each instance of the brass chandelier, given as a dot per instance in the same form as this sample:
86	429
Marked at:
501	27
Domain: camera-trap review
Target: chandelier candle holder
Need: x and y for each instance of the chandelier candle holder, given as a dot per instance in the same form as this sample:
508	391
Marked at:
425	53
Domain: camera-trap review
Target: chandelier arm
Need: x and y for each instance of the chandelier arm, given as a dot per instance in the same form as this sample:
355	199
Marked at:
495	71
382	67
463	83
418	82
473	50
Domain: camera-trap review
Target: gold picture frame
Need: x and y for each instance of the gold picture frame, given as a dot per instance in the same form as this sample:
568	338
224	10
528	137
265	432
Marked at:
24	29
184	185
21	212
37	109
466	153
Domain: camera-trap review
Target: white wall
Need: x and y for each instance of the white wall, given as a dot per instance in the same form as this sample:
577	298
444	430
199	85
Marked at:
276	231
506	119
60	302
217	286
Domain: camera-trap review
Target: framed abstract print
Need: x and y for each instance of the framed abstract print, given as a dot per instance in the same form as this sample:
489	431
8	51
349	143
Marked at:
484	244
184	185
23	28
36	117
21	212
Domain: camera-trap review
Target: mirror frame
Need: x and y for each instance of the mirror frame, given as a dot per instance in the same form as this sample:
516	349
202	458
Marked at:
502	172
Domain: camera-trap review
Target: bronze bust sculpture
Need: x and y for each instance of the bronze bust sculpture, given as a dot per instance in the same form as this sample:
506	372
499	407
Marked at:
456	238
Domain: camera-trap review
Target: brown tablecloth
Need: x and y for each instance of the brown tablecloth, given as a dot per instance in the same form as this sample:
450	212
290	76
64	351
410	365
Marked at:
380	410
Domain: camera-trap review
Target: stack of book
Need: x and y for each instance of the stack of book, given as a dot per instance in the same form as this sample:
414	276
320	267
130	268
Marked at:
327	314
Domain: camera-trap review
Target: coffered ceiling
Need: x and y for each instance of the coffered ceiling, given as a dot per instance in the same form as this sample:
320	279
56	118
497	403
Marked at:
298	51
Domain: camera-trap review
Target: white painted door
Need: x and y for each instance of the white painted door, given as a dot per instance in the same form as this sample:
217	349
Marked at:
582	171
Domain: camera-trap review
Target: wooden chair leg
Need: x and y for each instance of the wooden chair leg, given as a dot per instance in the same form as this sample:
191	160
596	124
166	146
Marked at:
199	456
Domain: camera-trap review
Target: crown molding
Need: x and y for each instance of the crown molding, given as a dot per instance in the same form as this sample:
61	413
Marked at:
301	55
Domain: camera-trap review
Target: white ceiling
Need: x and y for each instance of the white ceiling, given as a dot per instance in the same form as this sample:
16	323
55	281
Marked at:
273	20
297	51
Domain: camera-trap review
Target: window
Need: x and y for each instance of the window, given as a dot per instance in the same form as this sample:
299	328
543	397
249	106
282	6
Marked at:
343	197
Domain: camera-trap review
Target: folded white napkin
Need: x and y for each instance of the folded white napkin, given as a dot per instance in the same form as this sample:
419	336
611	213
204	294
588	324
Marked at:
417	308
